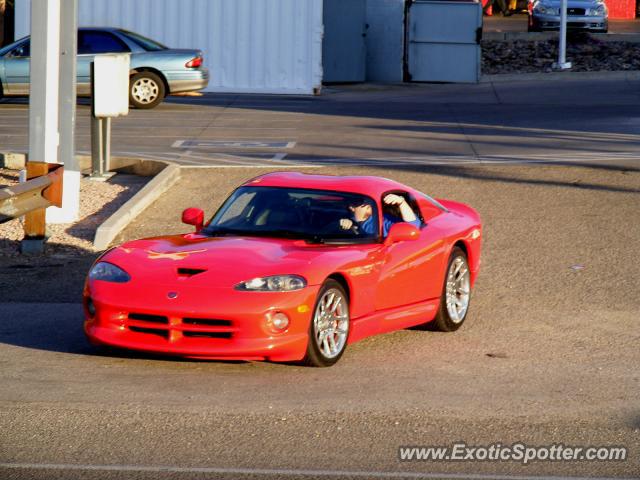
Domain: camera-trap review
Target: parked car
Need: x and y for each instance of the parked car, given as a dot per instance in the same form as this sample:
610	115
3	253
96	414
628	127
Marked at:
588	15
156	70
281	273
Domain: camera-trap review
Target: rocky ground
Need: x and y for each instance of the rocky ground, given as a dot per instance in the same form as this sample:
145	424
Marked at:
586	52
98	201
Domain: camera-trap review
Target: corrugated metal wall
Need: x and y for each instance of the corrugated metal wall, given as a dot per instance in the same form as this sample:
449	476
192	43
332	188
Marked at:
265	46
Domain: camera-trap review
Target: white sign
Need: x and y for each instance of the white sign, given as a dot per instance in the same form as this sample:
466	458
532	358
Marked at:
111	85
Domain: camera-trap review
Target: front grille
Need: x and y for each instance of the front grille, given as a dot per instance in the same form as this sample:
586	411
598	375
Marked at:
207	322
172	329
575	11
143	317
152	331
207	334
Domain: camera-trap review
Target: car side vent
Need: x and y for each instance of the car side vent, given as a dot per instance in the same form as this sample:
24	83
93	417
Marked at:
190	272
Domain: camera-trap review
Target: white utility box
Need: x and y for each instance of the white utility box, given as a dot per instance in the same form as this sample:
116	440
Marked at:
111	85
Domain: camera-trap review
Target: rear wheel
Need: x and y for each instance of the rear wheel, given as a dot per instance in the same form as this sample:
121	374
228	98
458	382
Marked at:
146	90
329	328
456	293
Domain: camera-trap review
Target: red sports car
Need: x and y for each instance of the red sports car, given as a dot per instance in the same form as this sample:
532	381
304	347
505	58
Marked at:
292	267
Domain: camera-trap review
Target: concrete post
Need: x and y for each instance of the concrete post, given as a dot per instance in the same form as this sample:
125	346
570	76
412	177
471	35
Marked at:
67	117
45	69
43	105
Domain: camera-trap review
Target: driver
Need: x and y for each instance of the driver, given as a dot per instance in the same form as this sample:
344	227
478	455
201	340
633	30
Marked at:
362	215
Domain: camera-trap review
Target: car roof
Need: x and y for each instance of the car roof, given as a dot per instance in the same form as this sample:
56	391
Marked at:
363	185
104	29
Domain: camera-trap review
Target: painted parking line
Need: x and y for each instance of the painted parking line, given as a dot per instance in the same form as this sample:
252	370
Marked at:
285	472
232	144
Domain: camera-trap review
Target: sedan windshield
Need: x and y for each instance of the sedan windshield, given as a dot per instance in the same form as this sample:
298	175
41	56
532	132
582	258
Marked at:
314	215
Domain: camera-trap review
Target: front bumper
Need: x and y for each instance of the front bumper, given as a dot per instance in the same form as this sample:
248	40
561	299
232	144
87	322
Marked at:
574	22
211	323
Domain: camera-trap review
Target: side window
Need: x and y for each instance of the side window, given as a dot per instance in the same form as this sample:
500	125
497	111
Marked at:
394	210
95	42
22	50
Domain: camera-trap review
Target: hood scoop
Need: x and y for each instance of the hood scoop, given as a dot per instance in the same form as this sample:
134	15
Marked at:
190	272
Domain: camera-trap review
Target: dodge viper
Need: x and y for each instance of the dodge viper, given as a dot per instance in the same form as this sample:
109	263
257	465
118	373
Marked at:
282	272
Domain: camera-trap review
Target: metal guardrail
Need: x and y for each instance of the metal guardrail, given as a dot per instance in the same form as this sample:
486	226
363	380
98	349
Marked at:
42	191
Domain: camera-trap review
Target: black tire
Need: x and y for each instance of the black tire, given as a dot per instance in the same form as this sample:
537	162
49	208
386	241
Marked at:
146	90
443	321
315	357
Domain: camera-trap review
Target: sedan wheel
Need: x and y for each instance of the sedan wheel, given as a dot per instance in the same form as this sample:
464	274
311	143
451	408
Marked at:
329	327
456	294
146	90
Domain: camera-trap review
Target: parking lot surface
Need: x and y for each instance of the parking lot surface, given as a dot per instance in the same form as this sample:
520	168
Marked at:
549	353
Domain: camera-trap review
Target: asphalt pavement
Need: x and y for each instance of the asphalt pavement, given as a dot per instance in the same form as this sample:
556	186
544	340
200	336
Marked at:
549	353
424	124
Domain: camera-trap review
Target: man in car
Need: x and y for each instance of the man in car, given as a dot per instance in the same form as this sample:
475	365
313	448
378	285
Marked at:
362	216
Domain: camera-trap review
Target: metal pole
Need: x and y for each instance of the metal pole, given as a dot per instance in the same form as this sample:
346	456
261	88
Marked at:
97	149
106	144
562	63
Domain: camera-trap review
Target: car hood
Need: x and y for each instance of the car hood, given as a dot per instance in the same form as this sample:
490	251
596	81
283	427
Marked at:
572	3
227	261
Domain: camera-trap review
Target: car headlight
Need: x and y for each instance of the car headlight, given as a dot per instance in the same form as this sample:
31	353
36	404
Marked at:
597	11
275	283
108	272
547	10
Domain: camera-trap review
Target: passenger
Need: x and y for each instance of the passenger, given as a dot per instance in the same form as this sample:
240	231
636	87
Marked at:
362	220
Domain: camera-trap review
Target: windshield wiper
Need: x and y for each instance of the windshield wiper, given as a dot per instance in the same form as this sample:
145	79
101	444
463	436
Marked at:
221	232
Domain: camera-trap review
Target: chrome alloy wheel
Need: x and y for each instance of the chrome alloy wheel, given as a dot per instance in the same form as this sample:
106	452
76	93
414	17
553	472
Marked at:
145	90
458	289
331	323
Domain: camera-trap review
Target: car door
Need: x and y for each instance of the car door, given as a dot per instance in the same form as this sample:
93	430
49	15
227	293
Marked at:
90	44
410	270
16	67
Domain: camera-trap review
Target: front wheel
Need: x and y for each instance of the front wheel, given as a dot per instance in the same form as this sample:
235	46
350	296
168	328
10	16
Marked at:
329	328
456	293
146	90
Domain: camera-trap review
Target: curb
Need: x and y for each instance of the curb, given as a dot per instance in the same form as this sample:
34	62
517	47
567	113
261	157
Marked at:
542	36
561	76
135	205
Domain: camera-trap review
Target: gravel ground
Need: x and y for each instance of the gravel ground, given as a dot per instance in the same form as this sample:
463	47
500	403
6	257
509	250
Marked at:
98	201
587	54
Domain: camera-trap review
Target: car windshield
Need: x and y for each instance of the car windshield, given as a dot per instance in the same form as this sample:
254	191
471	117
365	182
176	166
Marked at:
317	216
144	42
18	43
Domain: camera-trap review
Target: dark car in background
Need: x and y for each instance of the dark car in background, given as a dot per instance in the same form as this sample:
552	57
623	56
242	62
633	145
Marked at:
156	70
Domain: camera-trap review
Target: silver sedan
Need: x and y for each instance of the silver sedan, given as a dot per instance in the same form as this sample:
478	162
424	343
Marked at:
156	70
588	15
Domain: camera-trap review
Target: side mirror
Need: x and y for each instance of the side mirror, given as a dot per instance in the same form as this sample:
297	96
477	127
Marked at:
193	216
401	232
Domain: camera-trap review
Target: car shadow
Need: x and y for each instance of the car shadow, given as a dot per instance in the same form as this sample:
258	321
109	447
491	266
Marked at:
59	328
